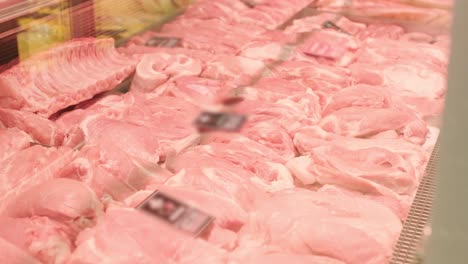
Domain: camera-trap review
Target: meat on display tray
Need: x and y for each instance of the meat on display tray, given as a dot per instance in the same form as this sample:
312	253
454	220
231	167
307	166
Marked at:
189	155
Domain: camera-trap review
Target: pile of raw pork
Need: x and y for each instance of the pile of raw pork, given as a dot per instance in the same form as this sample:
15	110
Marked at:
324	170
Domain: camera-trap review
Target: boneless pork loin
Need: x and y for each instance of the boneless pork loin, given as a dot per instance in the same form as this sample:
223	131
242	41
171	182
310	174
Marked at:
324	169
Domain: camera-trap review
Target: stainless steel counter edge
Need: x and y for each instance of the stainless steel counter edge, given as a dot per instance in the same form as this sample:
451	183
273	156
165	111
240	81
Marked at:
449	239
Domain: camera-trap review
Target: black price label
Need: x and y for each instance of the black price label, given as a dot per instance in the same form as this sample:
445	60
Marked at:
249	3
220	121
176	213
166	42
330	24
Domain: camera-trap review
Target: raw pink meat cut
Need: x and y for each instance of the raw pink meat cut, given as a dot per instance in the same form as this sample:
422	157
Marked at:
387	10
155	69
264	50
363	122
130	138
269	18
310	23
229	216
359	95
215	9
305	222
45	239
42	130
93	64
27	168
381	31
14	255
213	35
270	255
237	69
137	48
12	140
284	115
62	200
271	136
419	81
322	79
291	111
127	236
418	37
309	138
132	116
400	206
200	91
266	174
368	170
229	182
109	171
333	45
386	51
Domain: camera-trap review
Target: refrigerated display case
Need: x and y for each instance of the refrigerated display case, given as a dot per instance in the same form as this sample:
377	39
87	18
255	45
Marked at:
222	131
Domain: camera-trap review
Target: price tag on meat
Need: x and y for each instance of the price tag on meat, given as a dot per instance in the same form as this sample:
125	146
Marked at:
167	42
220	121
249	3
330	24
176	213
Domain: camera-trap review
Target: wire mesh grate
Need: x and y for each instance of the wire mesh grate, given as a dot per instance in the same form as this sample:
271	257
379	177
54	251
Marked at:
413	234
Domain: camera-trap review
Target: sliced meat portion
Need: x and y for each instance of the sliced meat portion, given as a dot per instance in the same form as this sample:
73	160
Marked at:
276	256
400	205
305	222
239	70
130	138
200	91
28	168
215	9
359	95
155	69
264	50
378	51
131	116
330	44
42	130
322	79
401	11
230	217
14	255
117	239
109	171
371	170
309	138
385	31
317	22
267	174
227	182
365	122
12	140
45	239
63	200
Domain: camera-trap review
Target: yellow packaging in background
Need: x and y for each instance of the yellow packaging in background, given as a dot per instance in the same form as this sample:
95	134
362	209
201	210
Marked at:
124	18
43	29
